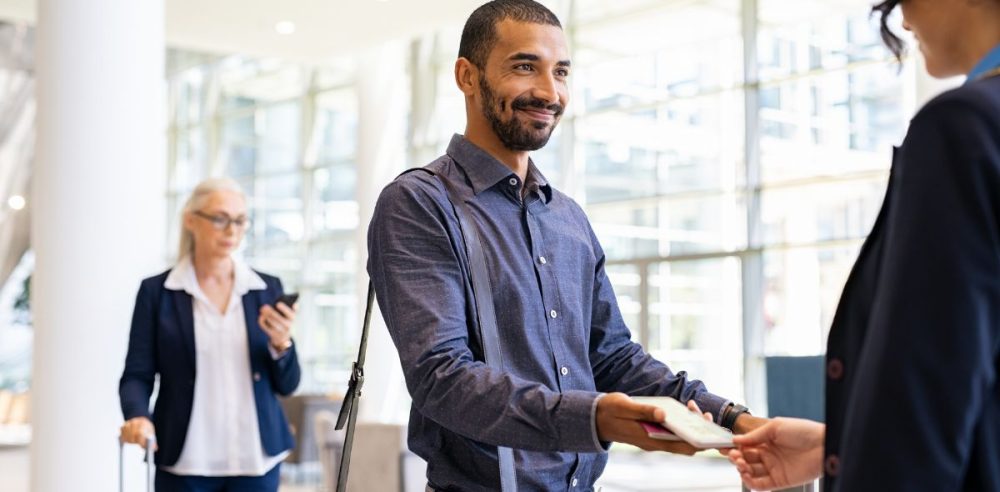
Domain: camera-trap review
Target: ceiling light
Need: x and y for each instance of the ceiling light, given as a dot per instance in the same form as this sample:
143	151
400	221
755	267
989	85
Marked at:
285	27
16	202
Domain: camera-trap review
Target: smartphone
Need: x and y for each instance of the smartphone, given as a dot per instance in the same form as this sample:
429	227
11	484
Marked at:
288	299
689	426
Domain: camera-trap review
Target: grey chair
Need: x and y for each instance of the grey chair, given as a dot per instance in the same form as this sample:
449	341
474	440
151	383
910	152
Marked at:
380	460
329	443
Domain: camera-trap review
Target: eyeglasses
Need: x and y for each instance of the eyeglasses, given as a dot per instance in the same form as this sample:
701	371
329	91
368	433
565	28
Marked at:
222	222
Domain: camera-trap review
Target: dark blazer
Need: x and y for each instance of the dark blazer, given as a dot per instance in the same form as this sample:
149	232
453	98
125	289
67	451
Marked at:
162	342
912	398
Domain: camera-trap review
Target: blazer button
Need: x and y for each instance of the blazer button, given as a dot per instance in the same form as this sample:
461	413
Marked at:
256	376
832	465
834	369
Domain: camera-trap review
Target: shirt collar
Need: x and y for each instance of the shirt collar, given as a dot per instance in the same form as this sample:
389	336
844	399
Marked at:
182	277
535	179
989	62
485	171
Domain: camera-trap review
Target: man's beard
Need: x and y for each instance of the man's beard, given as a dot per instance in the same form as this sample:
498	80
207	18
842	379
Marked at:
512	132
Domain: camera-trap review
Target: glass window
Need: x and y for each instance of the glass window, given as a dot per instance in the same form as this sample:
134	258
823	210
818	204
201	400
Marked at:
335	206
336	129
834	123
695	317
287	133
277	209
822	210
627	281
654	146
191	157
801	289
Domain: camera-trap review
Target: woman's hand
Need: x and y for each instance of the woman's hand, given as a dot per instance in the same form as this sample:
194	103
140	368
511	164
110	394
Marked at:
137	430
782	453
277	324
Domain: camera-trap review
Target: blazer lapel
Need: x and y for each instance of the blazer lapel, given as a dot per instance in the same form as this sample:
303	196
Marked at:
255	336
185	317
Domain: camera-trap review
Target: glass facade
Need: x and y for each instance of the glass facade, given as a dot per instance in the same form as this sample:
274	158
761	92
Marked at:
288	134
731	154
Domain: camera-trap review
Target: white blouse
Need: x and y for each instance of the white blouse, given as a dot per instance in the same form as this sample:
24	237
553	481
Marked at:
223	437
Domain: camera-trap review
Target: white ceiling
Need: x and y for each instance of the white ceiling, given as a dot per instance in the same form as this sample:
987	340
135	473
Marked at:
324	28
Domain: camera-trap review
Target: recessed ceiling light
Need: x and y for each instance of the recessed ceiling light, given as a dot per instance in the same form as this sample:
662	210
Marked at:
285	27
16	202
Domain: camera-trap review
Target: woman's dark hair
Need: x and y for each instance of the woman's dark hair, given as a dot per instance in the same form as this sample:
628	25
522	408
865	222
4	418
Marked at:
895	45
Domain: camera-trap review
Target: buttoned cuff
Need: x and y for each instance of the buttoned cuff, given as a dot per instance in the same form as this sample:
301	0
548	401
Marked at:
604	445
576	422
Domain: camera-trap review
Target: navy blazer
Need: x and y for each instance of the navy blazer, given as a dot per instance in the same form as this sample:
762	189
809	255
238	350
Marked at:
912	399
162	342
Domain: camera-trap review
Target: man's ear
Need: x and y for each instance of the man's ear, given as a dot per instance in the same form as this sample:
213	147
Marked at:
466	76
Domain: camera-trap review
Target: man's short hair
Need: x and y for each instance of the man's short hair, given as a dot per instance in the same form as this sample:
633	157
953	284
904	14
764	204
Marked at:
480	33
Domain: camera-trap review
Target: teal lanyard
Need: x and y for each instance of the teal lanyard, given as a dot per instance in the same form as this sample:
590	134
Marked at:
988	67
988	74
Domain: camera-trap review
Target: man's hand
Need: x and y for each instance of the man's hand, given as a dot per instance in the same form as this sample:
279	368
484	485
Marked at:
618	418
783	453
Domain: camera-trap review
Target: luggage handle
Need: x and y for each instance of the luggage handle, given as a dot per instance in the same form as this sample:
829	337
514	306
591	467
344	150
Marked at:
150	441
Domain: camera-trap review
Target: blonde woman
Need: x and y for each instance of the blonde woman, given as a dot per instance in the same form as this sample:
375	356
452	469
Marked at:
213	331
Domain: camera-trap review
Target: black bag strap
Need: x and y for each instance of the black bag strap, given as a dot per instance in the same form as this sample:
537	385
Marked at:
483	293
482	290
349	409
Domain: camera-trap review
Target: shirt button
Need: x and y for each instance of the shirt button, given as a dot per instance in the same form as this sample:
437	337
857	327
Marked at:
256	376
542	260
564	371
832	465
835	369
553	313
573	483
513	181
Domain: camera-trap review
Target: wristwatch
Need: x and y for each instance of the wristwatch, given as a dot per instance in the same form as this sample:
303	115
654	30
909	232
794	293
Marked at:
731	413
285	346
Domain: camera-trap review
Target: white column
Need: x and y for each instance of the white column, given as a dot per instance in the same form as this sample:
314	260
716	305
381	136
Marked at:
97	225
382	150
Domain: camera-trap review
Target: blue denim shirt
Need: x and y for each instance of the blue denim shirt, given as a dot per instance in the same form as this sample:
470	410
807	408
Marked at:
563	339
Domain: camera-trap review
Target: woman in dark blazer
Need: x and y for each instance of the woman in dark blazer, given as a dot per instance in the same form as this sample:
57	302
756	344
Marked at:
913	357
211	329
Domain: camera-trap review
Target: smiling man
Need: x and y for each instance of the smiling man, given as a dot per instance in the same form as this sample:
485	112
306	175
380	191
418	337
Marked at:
568	359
